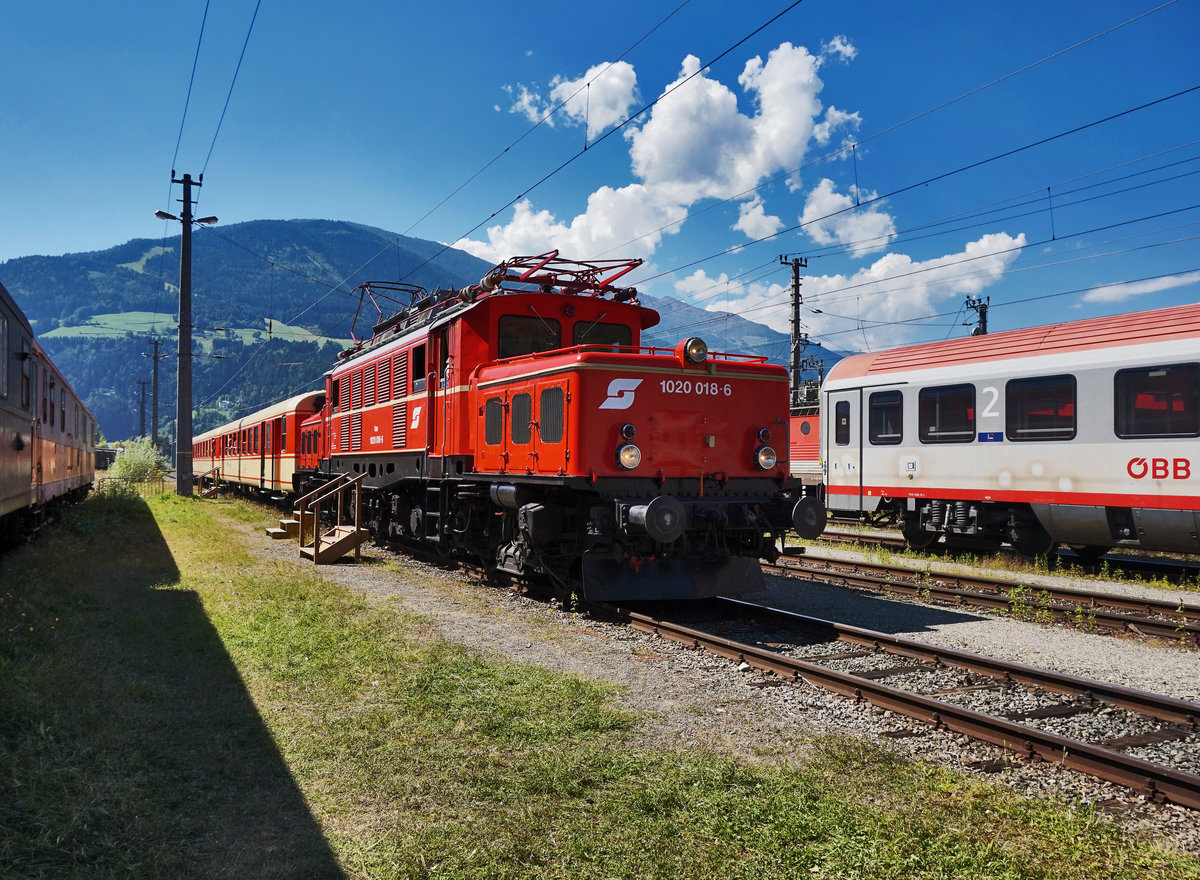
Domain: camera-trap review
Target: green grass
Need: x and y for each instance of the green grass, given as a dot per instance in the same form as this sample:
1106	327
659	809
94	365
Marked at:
173	706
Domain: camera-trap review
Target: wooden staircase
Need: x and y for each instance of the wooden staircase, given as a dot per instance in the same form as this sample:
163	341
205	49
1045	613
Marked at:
324	544
215	489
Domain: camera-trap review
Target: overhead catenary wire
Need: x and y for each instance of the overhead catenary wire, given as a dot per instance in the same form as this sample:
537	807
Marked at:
877	134
232	83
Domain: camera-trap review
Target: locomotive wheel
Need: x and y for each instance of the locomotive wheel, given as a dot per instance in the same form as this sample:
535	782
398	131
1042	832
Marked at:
918	538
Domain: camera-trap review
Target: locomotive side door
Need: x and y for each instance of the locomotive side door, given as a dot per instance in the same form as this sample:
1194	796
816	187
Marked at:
439	393
841	449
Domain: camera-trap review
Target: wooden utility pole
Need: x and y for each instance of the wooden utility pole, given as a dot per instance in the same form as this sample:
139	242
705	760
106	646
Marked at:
183	386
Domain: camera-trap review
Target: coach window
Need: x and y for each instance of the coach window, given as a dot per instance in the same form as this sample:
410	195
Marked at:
27	380
3	356
521	334
608	335
885	415
1041	408
1158	401
550	415
493	421
418	368
841	423
946	414
521	431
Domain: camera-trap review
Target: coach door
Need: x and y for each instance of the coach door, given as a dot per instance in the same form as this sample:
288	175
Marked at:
274	451
842	449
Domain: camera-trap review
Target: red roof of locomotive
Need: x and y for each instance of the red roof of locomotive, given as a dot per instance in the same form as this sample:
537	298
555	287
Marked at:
1160	325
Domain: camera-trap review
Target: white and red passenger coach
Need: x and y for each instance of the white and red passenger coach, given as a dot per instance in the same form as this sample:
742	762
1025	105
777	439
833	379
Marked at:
1082	433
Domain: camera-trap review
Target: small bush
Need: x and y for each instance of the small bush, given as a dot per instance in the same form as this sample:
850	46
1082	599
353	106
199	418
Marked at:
139	460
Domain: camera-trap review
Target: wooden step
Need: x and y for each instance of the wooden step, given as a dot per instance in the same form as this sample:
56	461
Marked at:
278	534
291	527
335	544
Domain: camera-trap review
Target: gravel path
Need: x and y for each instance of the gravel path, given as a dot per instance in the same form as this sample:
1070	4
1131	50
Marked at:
693	700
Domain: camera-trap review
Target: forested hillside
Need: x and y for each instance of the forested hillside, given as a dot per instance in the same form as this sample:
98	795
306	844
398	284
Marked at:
273	303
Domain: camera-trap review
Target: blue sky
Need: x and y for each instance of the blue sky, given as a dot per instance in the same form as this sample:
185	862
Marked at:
1041	155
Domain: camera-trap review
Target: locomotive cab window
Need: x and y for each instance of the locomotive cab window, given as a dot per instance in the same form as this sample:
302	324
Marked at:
596	333
1158	401
521	334
885	413
946	414
1041	408
418	368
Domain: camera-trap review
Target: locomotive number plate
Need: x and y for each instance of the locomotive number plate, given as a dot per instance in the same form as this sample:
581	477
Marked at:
699	388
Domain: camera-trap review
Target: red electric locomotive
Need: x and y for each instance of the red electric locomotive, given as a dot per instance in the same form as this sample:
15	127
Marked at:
523	422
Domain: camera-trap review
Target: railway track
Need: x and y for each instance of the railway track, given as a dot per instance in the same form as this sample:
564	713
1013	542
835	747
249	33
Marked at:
1175	620
1172	570
1146	742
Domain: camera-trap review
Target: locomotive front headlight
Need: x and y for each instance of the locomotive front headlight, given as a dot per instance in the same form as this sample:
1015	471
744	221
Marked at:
695	350
629	456
765	457
764	435
628	431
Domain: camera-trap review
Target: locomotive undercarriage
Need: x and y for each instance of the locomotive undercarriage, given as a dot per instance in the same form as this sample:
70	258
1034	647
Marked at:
621	539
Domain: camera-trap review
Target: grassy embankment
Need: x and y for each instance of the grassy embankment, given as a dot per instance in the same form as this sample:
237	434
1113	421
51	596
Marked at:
172	706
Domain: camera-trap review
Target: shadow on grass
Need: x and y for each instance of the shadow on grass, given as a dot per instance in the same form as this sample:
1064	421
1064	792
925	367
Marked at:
129	745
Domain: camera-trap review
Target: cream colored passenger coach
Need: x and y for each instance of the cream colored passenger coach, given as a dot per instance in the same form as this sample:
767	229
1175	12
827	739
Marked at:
259	451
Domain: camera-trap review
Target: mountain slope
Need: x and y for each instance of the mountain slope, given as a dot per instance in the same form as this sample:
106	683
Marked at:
272	303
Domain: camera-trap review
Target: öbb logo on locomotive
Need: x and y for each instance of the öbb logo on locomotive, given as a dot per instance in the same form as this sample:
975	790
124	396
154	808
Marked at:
1160	468
568	447
620	393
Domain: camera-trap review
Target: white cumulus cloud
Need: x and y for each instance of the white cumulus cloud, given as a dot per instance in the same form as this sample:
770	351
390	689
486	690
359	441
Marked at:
602	97
838	49
870	306
831	217
599	104
754	221
695	144
1128	290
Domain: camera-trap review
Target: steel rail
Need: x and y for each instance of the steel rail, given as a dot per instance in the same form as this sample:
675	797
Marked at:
1179	570
1152	780
1176	620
